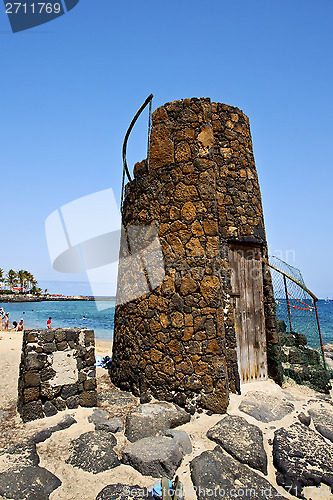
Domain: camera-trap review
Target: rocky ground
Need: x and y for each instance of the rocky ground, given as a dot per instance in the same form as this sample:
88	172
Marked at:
273	443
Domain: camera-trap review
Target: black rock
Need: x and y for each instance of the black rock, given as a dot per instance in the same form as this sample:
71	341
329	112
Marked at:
181	438
43	435
69	390
93	452
154	456
32	411
124	492
242	440
50	409
72	402
305	419
151	418
217	475
28	483
103	422
302	458
120	399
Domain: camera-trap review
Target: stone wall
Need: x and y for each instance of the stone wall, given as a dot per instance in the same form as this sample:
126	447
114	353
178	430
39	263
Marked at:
200	191
56	372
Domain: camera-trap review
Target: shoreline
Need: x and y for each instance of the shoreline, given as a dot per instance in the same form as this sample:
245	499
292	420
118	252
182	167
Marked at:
15	298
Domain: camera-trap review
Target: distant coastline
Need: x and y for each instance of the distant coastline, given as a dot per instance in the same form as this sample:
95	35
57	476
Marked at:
50	298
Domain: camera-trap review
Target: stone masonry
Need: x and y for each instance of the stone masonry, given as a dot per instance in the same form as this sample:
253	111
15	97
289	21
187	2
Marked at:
56	372
200	192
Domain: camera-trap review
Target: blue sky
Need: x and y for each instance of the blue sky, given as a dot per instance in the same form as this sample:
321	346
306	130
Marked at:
70	88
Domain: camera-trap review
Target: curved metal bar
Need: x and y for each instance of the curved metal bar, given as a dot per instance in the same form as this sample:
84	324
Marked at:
147	101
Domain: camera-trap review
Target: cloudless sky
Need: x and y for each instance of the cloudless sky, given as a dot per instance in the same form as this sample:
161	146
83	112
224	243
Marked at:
70	88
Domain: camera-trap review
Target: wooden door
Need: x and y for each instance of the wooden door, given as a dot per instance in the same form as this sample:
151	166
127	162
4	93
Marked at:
247	291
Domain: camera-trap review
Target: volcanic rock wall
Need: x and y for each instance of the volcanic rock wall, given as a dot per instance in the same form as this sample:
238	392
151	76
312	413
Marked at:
200	192
56	372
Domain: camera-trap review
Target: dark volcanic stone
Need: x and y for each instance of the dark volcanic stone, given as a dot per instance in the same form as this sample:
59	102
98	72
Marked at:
69	390
32	411
265	407
50	409
103	422
72	402
242	440
302	458
181	438
64	423
60	404
150	418
154	456
305	419
28	483
35	361
88	399
124	492
93	452
47	336
47	374
60	335
42	436
120	399
32	379
323	421
217	475
50	347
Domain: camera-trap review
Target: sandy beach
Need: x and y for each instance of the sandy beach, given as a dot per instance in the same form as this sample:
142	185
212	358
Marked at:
78	484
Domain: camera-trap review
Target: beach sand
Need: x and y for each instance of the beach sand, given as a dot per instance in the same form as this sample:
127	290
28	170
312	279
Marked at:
78	484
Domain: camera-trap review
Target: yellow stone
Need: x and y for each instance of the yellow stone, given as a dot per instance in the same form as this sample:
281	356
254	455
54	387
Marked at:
177	319
194	248
188	211
183	152
197	229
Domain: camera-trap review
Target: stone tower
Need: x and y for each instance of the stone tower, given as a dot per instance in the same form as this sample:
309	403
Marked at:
199	190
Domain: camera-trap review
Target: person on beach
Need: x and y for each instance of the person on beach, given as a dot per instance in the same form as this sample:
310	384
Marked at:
7	322
48	323
20	326
15	325
2	317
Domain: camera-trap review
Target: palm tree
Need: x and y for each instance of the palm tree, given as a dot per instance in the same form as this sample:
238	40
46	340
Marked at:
11	278
22	278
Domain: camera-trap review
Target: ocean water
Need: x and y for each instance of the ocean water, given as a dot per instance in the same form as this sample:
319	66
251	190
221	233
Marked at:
65	314
70	314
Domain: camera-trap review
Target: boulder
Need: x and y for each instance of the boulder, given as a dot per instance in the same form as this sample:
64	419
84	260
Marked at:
150	419
102	421
264	407
44	434
218	475
124	492
117	399
302	458
242	440
305	419
28	483
93	452
323	421
182	439
154	456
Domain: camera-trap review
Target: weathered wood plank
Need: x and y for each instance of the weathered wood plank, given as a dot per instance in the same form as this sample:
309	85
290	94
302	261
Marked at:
247	281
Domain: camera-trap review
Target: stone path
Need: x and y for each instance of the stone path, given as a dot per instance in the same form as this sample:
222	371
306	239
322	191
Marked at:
271	443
